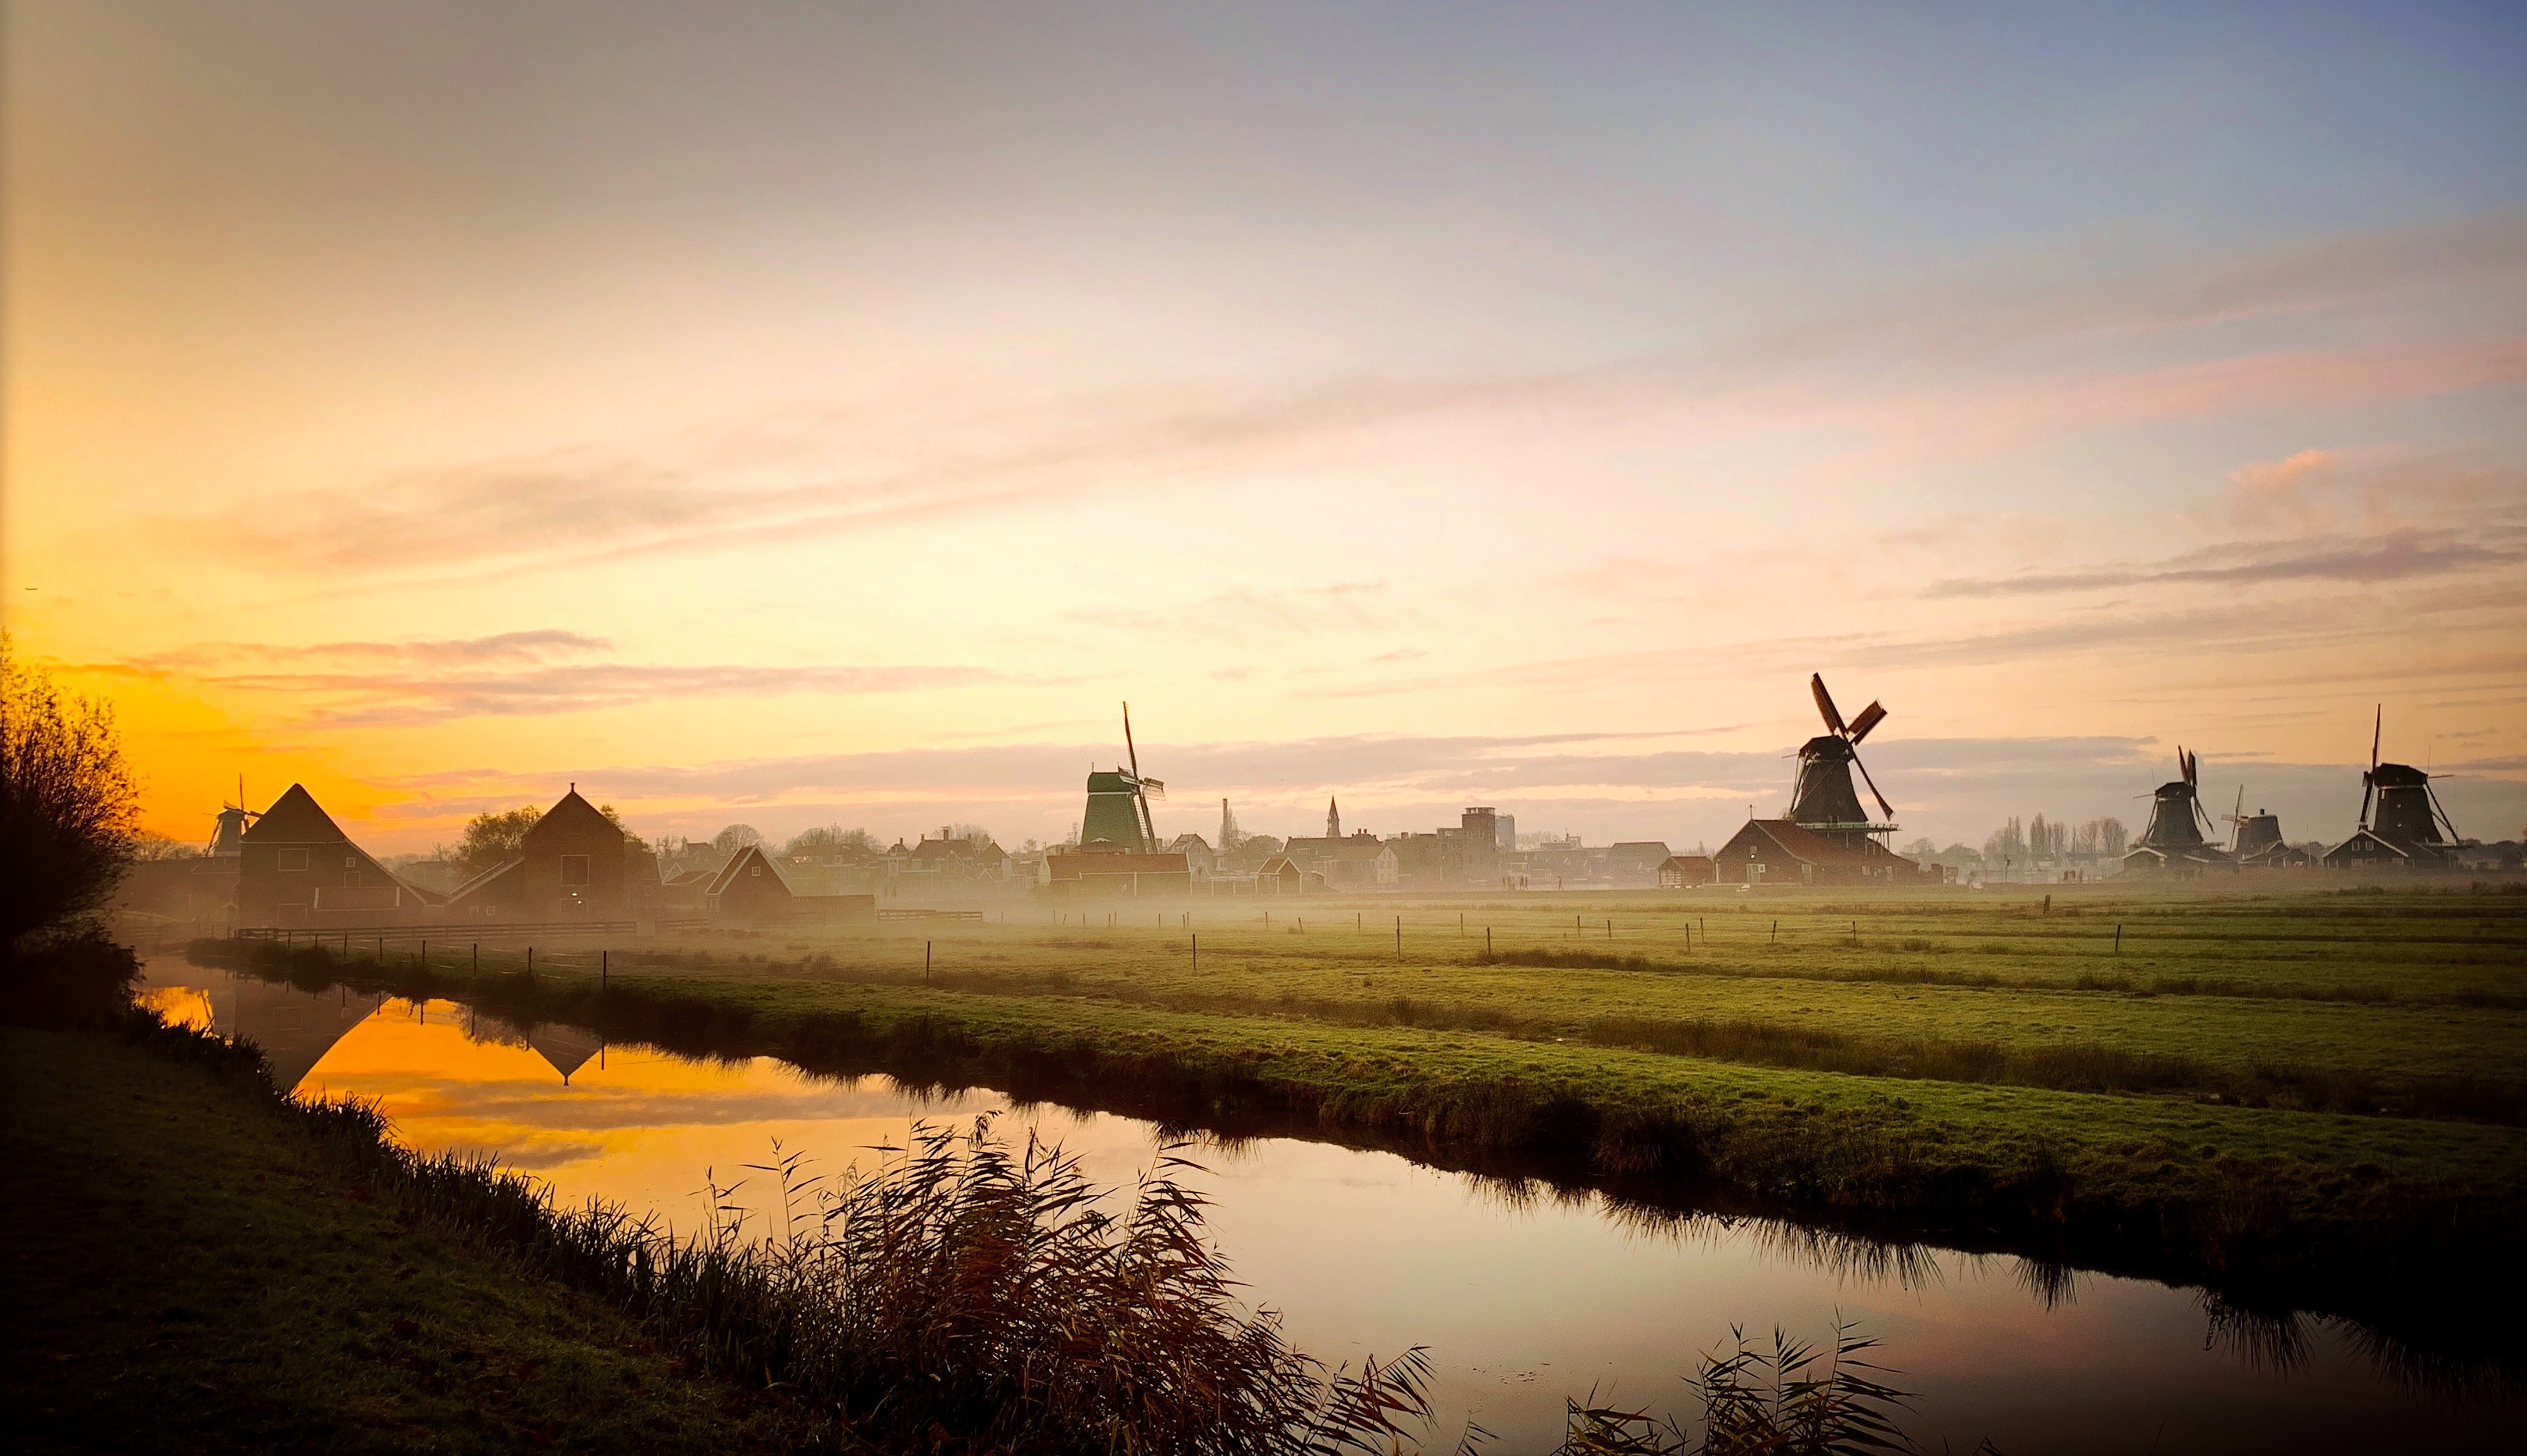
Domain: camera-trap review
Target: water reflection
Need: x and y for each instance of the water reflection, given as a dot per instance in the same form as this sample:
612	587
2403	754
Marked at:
1526	1291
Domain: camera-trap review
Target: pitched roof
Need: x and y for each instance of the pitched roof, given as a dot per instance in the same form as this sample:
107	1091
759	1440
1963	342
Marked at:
482	883
1811	848
572	812
295	819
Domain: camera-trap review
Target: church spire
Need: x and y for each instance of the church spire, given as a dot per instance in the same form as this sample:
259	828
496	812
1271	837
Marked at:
1333	819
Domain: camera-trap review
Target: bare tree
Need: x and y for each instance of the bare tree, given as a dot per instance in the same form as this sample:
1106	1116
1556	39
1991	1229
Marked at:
67	802
736	837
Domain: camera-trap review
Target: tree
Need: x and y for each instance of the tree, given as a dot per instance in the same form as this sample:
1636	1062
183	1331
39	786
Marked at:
149	843
493	839
67	804
736	837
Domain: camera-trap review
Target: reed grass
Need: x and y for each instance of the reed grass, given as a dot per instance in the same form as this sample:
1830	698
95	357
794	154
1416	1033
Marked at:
967	1288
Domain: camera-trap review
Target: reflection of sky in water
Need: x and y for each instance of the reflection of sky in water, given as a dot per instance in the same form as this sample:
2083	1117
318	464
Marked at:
1522	1299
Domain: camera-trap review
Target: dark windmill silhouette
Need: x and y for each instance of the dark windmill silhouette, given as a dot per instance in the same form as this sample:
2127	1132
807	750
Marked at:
1823	799
2255	840
227	834
2405	830
2174	840
1117	818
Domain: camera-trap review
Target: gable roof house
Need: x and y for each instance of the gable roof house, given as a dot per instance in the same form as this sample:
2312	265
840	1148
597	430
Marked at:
1103	872
297	868
755	888
575	864
1778	852
1677	871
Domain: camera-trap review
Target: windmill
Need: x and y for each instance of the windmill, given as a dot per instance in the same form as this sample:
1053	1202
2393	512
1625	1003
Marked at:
229	830
2256	836
1118	804
1822	798
2409	816
2177	818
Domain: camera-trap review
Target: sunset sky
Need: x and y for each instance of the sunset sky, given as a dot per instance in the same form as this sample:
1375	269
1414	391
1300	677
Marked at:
826	413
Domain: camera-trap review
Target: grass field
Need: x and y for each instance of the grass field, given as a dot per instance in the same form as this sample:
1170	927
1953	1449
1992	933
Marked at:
2202	1082
190	1269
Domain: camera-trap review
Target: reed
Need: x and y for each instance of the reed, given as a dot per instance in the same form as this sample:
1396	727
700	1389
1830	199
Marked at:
969	1290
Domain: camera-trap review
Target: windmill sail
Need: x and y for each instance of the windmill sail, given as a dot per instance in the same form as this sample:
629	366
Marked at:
1822	797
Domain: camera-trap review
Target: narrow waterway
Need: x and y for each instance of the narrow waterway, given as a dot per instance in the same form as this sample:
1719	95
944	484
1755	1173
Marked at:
1522	1298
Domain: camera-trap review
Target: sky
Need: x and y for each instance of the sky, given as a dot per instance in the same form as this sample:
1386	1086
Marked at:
803	414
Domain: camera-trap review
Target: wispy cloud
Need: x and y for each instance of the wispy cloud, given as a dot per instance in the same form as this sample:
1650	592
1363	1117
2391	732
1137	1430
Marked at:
370	684
2401	556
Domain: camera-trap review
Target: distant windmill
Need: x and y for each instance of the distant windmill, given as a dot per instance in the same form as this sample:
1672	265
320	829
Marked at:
1822	798
1118	804
2177	818
228	835
2409	816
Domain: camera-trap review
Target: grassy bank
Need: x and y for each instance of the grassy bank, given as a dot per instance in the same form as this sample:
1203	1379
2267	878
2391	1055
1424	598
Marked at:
2352	1121
193	1267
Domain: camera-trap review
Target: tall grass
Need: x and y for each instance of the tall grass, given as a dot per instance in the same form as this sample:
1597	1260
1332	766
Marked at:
971	1292
1791	1399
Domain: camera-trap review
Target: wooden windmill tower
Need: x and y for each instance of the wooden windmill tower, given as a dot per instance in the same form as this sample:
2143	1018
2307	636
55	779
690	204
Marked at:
1822	798
2408	817
1117	818
227	835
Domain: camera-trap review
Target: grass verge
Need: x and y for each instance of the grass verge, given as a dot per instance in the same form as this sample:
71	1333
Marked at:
194	1266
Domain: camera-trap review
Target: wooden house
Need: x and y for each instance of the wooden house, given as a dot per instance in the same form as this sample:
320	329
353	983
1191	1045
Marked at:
1778	852
758	889
297	868
1677	871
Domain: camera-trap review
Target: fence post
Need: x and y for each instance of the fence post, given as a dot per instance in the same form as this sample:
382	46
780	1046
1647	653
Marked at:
1399	940
1197	951
1487	942
605	967
477	957
2118	938
925	959
530	963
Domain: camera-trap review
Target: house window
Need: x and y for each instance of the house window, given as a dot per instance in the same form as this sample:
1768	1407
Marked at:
755	873
350	861
574	870
294	861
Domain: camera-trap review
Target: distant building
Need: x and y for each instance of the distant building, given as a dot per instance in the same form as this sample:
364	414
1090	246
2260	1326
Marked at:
1101	874
756	889
1776	851
1636	862
297	868
1347	862
1281	875
1679	871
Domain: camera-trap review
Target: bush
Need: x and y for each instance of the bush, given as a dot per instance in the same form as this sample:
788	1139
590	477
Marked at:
66	810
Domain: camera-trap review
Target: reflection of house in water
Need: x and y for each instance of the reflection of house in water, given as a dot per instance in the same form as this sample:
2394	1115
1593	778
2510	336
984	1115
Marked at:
295	1028
566	1047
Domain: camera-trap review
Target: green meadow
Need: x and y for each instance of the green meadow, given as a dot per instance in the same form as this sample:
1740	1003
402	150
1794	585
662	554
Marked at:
2244	1083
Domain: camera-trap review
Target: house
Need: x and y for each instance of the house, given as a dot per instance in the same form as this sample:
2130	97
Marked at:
1676	871
1351	861
1281	875
577	865
497	893
1636	862
1776	851
297	868
1099	874
756	889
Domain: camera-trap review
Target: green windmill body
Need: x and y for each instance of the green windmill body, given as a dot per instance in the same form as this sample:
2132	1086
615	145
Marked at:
1117	818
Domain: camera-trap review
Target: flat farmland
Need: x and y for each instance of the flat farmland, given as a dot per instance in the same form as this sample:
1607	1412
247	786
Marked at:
2223	1079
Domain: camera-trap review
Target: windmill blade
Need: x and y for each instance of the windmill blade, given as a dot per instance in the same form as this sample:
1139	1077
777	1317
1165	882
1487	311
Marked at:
1870	717
1883	806
1154	786
2368	787
1134	754
2444	820
1824	701
2377	731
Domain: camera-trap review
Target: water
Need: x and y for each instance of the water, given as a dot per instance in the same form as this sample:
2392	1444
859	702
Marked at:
1522	1299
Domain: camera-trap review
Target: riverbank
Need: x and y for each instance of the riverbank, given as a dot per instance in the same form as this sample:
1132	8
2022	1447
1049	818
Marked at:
2148	1084
193	1267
